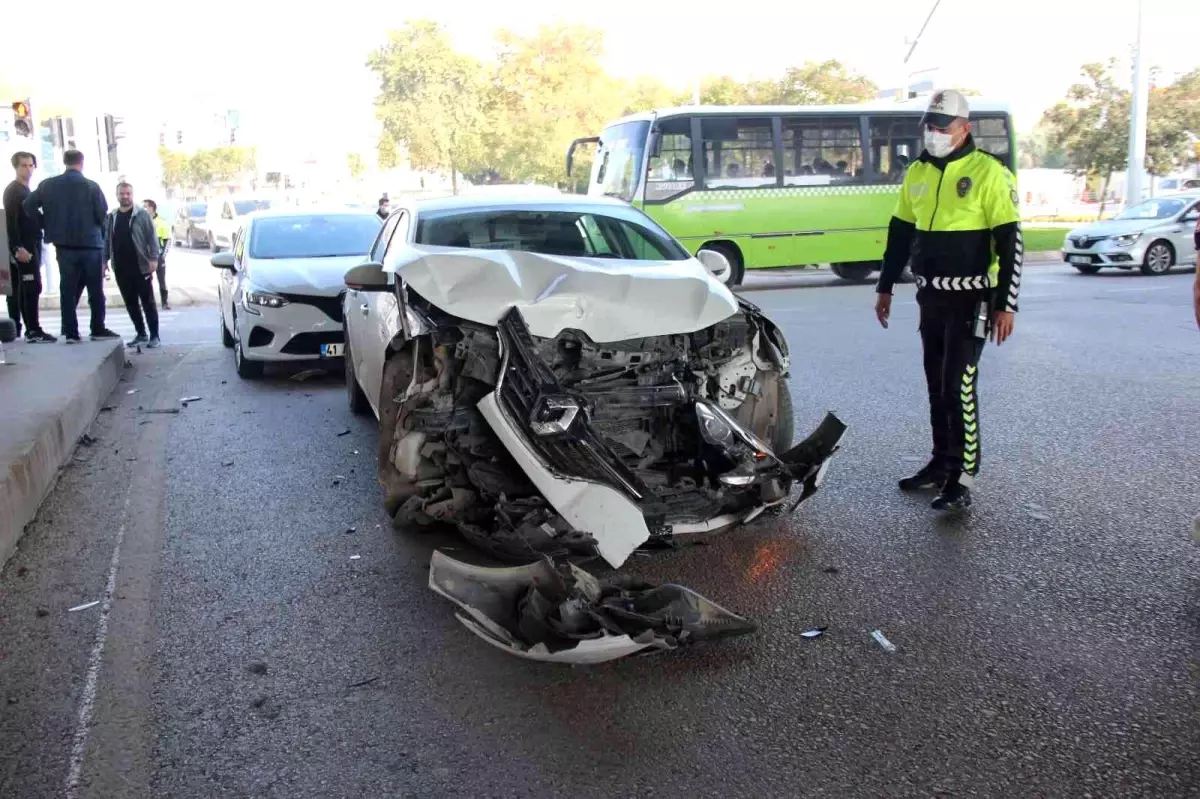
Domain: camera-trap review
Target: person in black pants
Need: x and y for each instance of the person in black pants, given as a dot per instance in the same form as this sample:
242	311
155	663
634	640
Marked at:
71	211
162	229
132	249
24	252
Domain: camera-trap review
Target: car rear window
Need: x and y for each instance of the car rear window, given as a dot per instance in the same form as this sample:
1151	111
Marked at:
564	233
244	207
197	210
313	236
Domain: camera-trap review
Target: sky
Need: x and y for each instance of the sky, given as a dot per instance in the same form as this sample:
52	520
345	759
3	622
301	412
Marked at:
293	70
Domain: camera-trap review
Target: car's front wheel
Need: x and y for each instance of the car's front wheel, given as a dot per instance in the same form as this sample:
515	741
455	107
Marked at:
246	369
1159	259
359	406
226	337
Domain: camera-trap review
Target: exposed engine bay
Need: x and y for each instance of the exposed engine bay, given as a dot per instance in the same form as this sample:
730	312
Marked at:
555	446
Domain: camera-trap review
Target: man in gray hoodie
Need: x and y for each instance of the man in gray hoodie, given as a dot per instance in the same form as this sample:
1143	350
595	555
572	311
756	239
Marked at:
130	245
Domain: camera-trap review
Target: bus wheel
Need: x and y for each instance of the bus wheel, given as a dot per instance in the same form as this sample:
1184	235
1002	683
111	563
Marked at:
857	272
733	275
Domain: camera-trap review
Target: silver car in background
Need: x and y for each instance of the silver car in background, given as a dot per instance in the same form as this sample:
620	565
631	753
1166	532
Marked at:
1153	236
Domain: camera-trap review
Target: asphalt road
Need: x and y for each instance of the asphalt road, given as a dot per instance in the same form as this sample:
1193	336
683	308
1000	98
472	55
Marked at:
1046	643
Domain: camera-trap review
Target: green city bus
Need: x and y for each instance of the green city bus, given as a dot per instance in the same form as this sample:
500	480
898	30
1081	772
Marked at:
772	186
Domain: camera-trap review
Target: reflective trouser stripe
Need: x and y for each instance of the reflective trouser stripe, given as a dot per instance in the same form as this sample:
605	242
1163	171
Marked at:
970	409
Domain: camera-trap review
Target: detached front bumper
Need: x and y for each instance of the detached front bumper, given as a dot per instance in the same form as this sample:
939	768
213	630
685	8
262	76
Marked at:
545	428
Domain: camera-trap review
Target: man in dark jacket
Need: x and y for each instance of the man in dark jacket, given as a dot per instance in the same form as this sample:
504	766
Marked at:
131	246
72	210
24	252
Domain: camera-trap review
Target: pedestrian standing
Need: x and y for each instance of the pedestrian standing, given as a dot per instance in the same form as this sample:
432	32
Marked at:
72	210
25	252
384	208
131	248
958	218
162	231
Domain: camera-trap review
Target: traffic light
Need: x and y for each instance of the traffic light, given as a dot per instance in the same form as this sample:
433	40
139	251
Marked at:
22	119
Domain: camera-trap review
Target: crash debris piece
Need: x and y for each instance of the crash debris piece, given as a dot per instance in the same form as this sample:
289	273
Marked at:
563	614
307	374
882	640
815	632
186	400
84	606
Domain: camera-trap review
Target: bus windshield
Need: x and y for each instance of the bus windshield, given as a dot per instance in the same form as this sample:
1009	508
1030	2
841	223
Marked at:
619	160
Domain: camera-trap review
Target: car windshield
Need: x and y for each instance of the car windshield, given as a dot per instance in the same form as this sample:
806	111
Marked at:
197	210
564	233
313	236
243	207
1153	209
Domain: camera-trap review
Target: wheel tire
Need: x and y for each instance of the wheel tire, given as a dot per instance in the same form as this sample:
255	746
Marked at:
359	406
1159	259
737	270
856	272
246	369
785	431
226	337
1087	270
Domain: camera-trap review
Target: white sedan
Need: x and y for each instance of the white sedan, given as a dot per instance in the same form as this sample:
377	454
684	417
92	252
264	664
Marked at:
280	286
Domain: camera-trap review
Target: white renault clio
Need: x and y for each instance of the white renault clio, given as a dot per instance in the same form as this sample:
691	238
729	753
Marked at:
280	284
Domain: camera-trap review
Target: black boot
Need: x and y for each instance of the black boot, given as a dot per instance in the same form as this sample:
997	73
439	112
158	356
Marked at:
933	475
954	496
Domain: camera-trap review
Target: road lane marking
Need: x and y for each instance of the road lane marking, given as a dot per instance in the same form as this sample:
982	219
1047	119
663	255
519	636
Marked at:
1142	288
87	701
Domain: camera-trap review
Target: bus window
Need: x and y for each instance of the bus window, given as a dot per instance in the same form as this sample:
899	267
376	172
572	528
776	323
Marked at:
821	150
738	153
991	135
671	173
895	143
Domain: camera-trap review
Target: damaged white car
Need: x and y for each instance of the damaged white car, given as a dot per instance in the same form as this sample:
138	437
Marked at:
557	376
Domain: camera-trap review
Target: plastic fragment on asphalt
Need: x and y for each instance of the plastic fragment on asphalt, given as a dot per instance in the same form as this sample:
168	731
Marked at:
882	640
84	606
343	433
350	530
355	557
132	391
226	463
160	410
300	377
106	409
362	683
338	479
186	400
815	632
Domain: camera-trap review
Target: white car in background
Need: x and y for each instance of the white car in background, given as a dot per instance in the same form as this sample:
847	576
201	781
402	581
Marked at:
225	216
280	286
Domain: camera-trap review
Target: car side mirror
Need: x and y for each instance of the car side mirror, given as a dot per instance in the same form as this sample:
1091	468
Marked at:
367	277
223	260
713	261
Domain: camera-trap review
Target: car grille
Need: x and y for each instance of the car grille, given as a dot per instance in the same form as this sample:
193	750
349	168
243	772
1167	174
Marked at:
331	306
310	343
1084	242
580	452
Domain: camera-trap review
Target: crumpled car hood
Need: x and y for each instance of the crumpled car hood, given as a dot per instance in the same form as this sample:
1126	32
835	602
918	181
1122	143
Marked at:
606	299
321	277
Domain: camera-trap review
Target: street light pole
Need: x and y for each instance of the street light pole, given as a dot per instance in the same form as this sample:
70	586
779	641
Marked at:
912	47
1135	176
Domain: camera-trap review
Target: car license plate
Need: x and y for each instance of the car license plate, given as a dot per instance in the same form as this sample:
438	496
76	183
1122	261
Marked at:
1081	259
331	350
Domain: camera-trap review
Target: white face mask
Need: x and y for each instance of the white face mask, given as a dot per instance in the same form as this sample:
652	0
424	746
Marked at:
939	144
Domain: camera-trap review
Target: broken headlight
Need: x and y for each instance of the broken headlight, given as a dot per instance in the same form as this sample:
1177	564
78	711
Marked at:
715	429
744	450
553	415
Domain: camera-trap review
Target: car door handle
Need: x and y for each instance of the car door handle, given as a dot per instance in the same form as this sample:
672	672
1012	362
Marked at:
366	309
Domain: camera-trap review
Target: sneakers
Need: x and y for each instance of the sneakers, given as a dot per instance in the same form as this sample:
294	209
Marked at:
39	337
154	343
73	339
104	335
930	477
140	338
954	496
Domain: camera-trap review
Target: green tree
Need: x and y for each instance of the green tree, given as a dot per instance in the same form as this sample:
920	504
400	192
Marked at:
429	98
174	165
386	152
1092	125
355	165
822	83
1037	152
1173	122
548	89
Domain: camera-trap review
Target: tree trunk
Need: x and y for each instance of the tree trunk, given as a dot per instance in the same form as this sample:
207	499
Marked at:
1104	194
453	177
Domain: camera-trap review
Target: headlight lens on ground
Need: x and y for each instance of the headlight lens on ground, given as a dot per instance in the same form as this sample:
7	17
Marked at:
262	299
1127	239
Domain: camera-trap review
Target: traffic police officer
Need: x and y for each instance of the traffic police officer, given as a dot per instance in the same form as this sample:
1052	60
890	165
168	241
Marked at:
958	219
162	231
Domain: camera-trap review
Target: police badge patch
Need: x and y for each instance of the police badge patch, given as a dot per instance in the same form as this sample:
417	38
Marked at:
964	186
1016	198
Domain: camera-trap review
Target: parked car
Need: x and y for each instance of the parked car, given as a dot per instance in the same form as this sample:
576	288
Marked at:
189	225
557	375
224	217
1178	185
1153	235
280	287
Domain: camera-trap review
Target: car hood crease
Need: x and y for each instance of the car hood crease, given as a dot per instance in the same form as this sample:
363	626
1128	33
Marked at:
321	277
609	300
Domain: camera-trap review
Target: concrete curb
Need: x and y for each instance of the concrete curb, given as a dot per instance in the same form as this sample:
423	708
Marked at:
32	472
180	297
